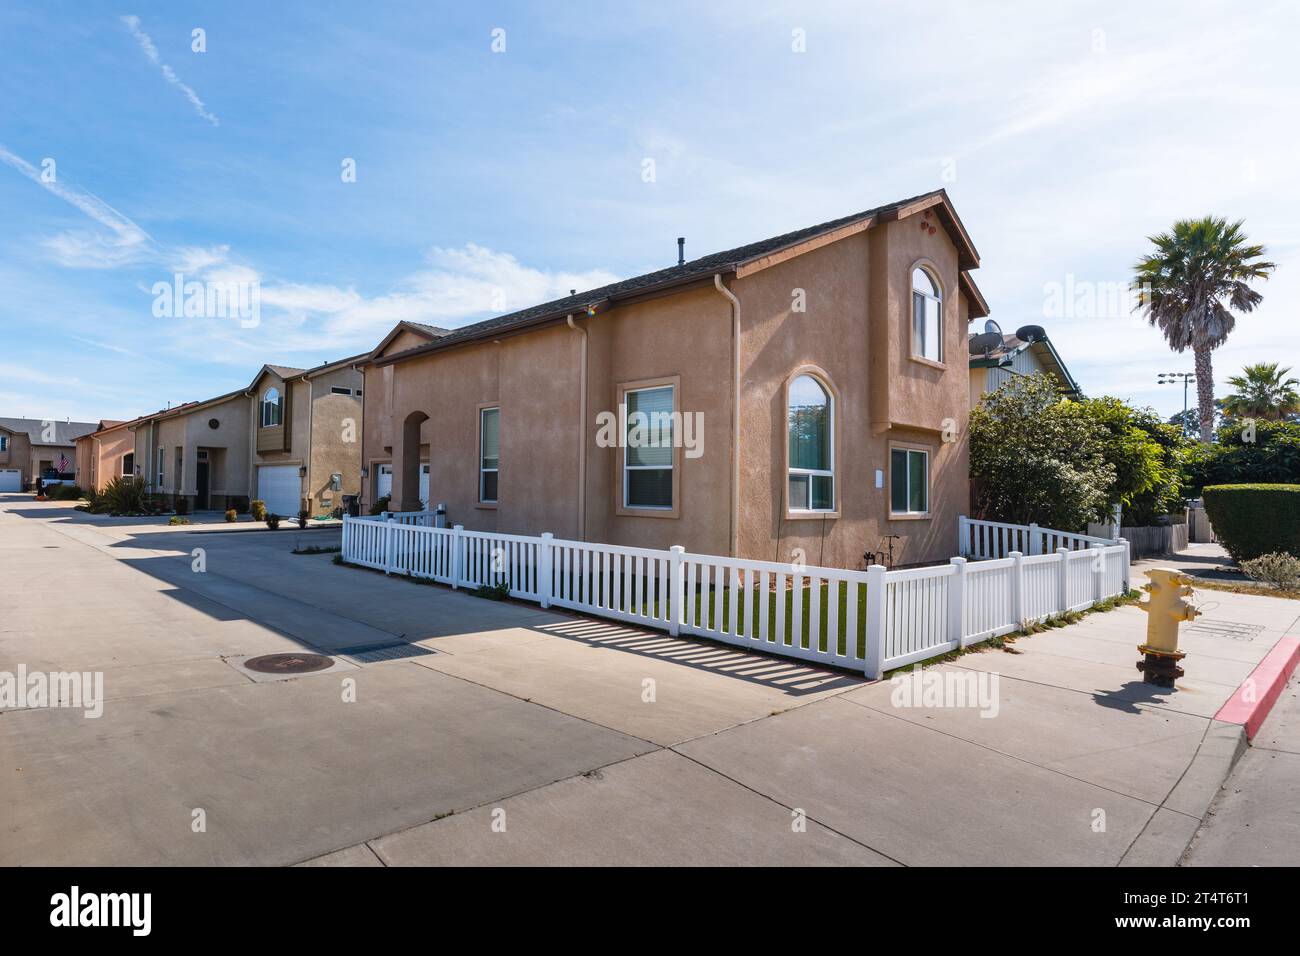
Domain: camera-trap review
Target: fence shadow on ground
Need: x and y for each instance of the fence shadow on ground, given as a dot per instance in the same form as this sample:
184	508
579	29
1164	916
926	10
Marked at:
794	678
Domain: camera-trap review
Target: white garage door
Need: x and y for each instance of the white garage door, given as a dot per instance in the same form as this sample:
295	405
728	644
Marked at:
280	487
11	479
385	484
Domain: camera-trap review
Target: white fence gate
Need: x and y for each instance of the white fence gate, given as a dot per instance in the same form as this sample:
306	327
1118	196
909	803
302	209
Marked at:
873	620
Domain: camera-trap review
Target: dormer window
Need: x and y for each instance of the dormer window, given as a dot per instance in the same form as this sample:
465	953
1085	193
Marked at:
272	408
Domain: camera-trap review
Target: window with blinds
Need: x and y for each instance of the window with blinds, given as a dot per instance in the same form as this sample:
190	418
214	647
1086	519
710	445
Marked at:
648	452
489	454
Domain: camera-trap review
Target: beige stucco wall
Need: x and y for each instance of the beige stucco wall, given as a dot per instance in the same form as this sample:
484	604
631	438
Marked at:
335	438
856	332
227	446
19	455
99	457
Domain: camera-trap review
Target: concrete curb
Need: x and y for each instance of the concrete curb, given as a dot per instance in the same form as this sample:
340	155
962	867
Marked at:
1251	702
1171	828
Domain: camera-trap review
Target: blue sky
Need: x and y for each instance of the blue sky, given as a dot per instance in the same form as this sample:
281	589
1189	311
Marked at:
488	181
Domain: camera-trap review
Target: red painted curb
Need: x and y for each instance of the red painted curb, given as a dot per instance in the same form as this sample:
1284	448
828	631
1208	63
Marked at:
1251	702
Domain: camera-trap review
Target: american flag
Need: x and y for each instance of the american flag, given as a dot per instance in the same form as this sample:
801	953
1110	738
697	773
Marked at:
63	463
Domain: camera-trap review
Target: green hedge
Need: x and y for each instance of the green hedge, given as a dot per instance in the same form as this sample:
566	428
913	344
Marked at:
1250	520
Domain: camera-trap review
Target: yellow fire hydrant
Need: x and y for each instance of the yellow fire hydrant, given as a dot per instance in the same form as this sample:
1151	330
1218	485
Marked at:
1165	610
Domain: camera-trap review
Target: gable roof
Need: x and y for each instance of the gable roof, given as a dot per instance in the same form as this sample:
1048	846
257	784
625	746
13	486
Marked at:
287	373
65	433
429	332
729	261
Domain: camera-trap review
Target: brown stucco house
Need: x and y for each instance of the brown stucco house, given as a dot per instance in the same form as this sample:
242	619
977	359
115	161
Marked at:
306	427
30	446
811	392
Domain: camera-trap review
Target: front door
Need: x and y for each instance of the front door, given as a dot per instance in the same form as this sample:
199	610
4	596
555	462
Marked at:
201	501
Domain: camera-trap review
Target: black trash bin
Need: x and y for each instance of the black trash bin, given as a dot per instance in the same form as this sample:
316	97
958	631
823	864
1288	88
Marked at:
352	505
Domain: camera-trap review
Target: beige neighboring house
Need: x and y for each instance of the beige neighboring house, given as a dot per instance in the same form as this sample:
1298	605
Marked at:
997	357
104	454
197	452
30	446
306	426
816	384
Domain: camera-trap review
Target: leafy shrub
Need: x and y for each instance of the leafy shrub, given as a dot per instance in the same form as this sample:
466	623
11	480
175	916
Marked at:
258	509
494	592
380	505
181	505
65	492
302	518
1278	569
178	519
273	521
1265	452
232	515
124	495
1252	520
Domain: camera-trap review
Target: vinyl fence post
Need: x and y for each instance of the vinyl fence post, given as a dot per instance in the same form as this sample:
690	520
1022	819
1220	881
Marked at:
1063	580
1018	586
677	596
390	544
1035	544
957	601
875	649
545	557
963	535
344	550
1127	559
456	540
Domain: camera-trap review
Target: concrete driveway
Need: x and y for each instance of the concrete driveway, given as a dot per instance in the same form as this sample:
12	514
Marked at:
452	729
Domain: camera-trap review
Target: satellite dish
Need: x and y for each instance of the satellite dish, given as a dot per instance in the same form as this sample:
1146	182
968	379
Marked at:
984	343
991	326
1031	333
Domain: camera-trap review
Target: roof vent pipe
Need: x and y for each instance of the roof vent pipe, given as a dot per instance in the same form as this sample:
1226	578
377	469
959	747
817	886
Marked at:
681	249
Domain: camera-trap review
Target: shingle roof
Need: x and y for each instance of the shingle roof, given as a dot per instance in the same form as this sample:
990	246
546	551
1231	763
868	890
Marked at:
431	329
286	371
691	271
65	433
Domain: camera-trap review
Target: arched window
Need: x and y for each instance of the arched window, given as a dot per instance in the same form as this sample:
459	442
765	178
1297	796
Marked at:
810	423
272	408
927	316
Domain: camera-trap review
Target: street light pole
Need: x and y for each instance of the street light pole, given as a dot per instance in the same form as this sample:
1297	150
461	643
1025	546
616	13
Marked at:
1172	378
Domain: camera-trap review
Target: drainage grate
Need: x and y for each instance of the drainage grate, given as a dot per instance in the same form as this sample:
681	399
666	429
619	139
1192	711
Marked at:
370	654
288	663
1232	630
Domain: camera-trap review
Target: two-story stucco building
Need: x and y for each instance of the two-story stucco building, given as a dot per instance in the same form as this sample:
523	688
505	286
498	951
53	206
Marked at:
815	387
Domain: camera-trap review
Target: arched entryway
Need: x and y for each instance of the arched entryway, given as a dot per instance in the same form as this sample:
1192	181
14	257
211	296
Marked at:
406	464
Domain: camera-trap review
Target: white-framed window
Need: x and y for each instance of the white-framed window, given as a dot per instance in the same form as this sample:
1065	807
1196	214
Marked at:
128	464
810	424
339	390
489	454
162	461
927	316
272	408
648	448
4	442
909	481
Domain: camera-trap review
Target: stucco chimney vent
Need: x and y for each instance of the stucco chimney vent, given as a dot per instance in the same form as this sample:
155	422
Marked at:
681	249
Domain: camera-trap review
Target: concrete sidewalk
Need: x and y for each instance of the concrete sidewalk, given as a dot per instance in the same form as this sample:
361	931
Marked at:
490	732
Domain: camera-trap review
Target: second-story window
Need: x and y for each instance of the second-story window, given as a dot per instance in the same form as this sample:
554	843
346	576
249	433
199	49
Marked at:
272	408
927	316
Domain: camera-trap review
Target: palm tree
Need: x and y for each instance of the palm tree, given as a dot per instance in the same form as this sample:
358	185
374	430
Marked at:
1262	392
1189	288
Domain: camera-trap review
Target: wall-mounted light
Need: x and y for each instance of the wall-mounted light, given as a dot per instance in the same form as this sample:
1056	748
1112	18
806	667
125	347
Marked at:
365	471
302	471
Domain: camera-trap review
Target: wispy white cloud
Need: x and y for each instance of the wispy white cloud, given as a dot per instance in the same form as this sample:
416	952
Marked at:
151	52
127	243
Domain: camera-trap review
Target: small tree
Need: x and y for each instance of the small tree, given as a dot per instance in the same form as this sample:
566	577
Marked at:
1147	456
1263	391
1035	457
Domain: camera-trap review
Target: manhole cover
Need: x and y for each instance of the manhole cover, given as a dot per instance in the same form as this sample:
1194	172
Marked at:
288	663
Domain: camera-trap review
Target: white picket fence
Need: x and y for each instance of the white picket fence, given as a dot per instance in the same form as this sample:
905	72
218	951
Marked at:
873	620
994	539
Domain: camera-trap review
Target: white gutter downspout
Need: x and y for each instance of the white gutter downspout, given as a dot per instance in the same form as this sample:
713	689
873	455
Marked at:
582	431
735	408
